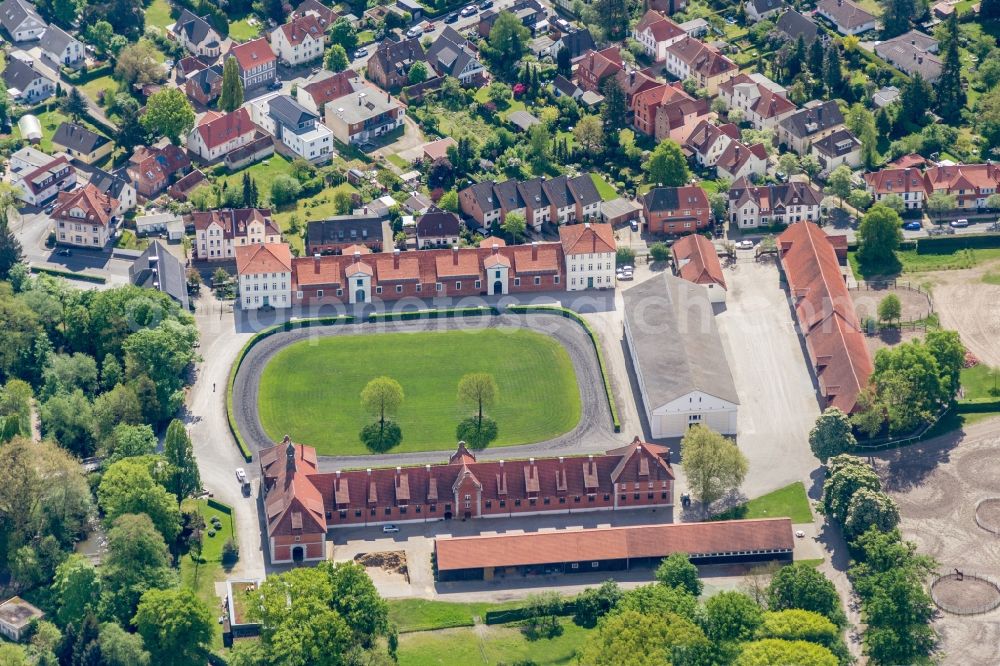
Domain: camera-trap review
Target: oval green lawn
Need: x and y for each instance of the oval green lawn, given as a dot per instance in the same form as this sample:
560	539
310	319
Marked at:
311	389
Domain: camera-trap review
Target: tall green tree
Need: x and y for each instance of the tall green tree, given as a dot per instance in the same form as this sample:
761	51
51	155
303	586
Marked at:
831	435
677	571
182	474
343	34
833	72
77	588
879	236
564	62
131	131
120	648
73	104
803	586
127	487
817	56
890	309
615	108
169	114
137	560
10	248
712	464
381	398
231	97
631	638
613	17
506	45
515	226
861	121
176	626
846	475
950	95
768	651
916	99
336	59
897	17
732	616
667	166
870	508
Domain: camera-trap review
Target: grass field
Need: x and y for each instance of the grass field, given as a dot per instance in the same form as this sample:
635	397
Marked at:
790	501
497	644
911	262
158	14
979	380
603	187
310	390
242	31
426	615
202	576
106	83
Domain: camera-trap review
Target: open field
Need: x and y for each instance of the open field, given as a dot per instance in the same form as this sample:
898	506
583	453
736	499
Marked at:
790	501
311	389
158	14
426	615
497	644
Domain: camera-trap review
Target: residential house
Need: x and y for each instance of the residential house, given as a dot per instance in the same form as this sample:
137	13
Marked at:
157	268
687	382
21	20
61	47
561	86
152	169
435	150
300	40
363	115
17	616
846	16
739	160
302	503
692	59
40	177
205	85
696	260
294	125
257	63
799	130
907	183
389	67
578	41
708	141
451	54
81	143
117	186
761	102
560	200
438	228
841	147
220	233
325	14
197	35
970	184
25	84
677	118
825	314
597	66
697	27
84	218
586	201
676	210
185	185
522	120
793	25
752	206
534	16
315	95
913	53
264	273
667	7
336	234
655	33
758	10
590	256
216	134
885	96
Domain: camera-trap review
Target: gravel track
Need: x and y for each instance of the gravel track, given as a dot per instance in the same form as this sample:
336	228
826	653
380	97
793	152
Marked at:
593	433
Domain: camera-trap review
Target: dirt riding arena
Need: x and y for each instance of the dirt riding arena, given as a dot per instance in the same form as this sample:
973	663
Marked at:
939	485
916	305
972	307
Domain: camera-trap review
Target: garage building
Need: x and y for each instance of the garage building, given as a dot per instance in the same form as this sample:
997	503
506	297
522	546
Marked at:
679	360
611	548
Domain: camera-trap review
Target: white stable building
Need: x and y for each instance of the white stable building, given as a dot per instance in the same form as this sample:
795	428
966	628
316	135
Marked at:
678	357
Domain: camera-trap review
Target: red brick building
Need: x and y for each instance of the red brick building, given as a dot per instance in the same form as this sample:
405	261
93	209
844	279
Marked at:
676	210
596	66
303	503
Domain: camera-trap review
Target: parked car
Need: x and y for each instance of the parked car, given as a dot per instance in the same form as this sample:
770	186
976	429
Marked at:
960	224
913	226
451	18
360	53
389	529
744	245
635	225
469	10
486	4
241	475
51	207
275	85
64	252
429	26
625	275
414	32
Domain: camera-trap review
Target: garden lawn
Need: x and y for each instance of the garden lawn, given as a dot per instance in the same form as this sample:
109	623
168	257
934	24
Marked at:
491	645
262	172
911	262
158	14
201	576
102	83
242	31
426	615
603	187
315	207
311	390
50	121
979	380
790	502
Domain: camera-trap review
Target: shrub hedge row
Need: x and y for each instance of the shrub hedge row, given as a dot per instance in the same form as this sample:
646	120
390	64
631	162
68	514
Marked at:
568	607
432	314
978	406
570	314
85	277
78	76
949	244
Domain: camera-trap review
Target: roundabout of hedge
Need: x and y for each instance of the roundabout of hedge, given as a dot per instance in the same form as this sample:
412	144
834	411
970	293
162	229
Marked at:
306	382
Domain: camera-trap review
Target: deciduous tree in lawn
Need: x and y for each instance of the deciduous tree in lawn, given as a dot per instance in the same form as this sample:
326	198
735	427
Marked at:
382	398
478	390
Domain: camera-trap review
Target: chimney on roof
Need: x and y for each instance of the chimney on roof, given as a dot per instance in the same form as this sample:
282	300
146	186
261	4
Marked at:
399	470
496	248
369	470
586	225
531	461
316	262
395	258
357	255
534	250
338	473
454	255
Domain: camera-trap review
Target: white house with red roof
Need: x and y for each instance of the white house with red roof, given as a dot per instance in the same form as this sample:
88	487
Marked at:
696	260
38	176
84	218
258	64
265	275
219	232
761	101
217	134
656	32
589	251
300	40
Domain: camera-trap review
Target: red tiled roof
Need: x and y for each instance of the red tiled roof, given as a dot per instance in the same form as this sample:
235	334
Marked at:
297	29
234	221
587	238
293	505
659	25
332	87
263	258
825	313
602	63
608	543
252	54
702	261
964	177
439	148
98	208
897	181
216	129
768	104
701	57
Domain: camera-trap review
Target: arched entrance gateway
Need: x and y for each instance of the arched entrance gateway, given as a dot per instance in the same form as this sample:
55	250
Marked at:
359	296
498	287
297	554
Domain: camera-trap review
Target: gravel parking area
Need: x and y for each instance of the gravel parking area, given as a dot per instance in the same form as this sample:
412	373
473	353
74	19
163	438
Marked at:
593	433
